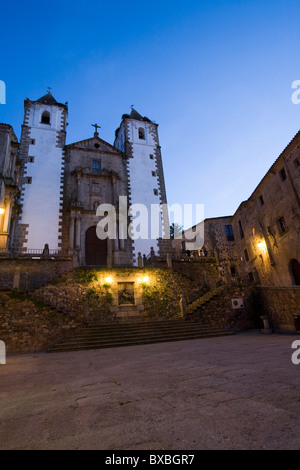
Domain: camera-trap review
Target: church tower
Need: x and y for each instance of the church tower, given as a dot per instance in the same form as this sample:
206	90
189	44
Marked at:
42	154
137	136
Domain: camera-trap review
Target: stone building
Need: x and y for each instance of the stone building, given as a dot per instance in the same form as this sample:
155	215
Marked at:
260	243
95	173
64	188
215	241
267	225
9	191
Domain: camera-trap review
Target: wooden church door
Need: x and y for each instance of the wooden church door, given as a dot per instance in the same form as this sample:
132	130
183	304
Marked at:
95	249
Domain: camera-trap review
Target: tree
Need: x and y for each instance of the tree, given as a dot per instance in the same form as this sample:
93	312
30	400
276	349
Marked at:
175	230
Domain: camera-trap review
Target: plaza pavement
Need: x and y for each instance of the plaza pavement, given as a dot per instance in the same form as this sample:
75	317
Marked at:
237	392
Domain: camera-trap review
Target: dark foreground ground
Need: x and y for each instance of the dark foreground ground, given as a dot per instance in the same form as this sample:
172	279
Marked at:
237	392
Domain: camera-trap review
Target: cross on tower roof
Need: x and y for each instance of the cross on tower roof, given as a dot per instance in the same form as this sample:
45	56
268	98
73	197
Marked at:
49	89
96	127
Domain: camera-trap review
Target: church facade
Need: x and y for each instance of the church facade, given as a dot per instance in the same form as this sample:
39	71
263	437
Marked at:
66	190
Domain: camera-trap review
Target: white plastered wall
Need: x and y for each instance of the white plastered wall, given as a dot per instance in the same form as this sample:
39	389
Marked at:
142	182
41	205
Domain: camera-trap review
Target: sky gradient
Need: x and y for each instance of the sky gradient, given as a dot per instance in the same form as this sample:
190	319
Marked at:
216	76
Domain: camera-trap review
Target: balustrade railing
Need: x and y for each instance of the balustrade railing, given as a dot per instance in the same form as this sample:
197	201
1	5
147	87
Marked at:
34	253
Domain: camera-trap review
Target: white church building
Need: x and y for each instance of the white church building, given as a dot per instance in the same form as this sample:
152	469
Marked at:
63	187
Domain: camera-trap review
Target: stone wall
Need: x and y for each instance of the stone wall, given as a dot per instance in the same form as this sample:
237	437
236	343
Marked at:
219	312
204	271
28	274
282	306
28	325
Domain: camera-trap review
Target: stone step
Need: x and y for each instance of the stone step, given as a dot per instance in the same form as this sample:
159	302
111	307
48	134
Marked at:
142	330
138	341
95	337
143	334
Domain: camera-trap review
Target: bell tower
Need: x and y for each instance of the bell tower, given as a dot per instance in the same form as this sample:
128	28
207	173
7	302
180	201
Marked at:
137	136
42	155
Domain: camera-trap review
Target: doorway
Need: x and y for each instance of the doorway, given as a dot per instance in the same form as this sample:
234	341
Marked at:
295	272
95	249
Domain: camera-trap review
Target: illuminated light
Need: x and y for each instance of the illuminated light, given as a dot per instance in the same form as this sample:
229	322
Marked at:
2	210
262	245
108	280
145	279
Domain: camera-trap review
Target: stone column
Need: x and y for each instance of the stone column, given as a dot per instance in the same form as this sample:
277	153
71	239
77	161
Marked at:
117	237
78	244
266	329
6	216
183	307
16	281
140	260
169	260
79	189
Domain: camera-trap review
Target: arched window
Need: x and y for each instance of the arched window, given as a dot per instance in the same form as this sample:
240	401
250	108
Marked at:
141	133
45	117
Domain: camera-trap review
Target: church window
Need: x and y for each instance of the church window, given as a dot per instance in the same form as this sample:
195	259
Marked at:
141	133
281	225
241	229
31	159
96	166
282	174
246	255
96	145
229	233
28	180
32	141
233	270
155	192
151	156
45	117
296	163
261	200
153	173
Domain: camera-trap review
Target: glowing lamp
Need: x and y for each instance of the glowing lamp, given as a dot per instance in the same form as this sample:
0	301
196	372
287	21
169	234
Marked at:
261	245
2	210
108	280
146	279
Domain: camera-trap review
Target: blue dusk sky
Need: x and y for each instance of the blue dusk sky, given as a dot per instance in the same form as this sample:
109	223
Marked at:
215	75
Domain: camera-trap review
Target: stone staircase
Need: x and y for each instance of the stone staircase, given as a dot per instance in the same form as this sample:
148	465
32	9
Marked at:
129	334
204	299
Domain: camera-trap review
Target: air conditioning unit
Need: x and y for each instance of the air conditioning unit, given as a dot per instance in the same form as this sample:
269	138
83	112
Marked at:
237	303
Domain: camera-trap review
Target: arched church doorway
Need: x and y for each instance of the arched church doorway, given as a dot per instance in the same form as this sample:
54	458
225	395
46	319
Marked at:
295	271
95	249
